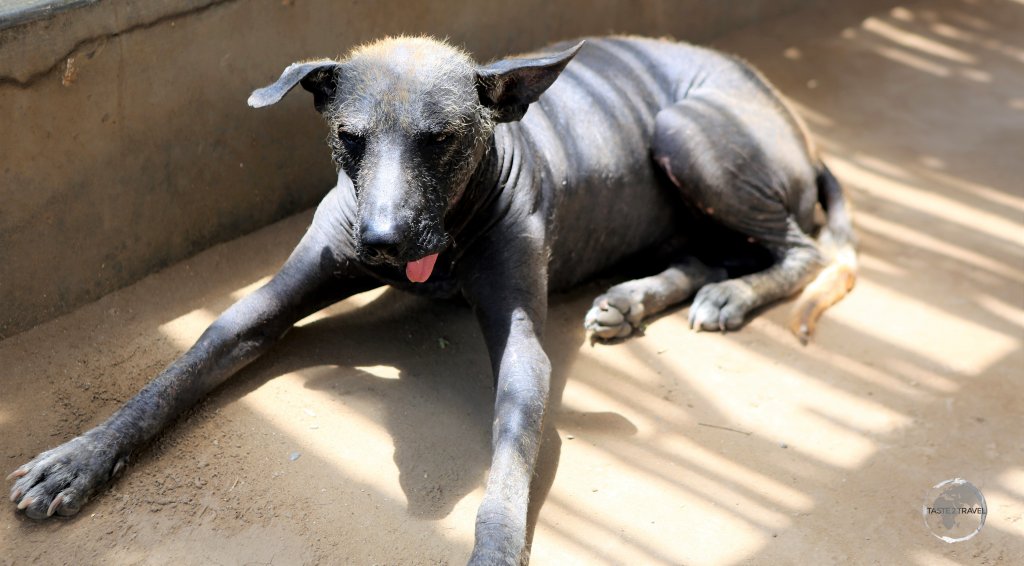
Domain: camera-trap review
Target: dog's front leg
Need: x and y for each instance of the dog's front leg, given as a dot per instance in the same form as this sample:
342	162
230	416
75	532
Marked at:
508	289
318	273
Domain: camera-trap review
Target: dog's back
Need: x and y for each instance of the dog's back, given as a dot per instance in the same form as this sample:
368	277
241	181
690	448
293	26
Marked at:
607	198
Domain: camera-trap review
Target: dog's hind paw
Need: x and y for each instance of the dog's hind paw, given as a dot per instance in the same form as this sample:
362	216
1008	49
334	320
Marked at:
722	306
614	315
61	480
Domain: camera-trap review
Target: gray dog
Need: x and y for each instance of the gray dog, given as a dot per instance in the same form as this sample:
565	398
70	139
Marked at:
448	186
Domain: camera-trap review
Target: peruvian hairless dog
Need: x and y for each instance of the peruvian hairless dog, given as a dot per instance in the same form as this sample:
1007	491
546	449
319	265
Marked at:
448	185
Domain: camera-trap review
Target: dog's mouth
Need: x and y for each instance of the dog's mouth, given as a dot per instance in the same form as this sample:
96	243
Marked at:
418	263
419	271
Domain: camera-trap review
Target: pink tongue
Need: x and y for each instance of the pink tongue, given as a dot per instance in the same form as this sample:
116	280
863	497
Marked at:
419	271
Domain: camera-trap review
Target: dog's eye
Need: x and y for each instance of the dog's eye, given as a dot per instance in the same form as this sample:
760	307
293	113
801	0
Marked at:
434	139
353	143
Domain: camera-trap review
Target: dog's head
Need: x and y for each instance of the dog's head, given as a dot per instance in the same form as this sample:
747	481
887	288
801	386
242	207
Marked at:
410	119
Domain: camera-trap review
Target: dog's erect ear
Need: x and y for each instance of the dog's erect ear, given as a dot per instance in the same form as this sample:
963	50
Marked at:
509	86
319	77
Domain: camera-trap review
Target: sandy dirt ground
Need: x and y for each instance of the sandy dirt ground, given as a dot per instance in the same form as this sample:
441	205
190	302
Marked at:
363	438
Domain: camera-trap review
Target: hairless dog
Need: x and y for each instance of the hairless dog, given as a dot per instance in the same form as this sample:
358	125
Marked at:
448	185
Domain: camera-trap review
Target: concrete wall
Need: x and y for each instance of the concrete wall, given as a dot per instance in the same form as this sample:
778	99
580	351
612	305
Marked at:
126	143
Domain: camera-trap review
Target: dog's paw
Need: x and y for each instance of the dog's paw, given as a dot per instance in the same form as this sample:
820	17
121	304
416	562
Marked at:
61	480
722	306
616	314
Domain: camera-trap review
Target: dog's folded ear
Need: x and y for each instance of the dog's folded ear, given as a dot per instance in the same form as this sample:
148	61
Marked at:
509	86
318	77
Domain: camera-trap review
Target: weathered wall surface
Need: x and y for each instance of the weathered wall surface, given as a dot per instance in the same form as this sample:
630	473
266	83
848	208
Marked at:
126	143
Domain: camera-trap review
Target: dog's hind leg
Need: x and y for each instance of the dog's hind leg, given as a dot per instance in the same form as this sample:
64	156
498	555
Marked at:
619	312
724	305
744	163
317	274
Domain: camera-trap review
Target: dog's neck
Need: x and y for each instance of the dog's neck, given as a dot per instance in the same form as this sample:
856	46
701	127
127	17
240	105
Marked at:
502	183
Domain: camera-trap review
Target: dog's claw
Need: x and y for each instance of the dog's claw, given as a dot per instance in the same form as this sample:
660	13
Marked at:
26	502
54	505
16	494
697	324
17	473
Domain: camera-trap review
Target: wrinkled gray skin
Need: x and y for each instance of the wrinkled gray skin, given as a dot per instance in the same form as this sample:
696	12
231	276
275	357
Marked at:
639	144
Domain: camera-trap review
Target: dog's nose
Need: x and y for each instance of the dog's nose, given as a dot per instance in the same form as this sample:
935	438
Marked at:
381	239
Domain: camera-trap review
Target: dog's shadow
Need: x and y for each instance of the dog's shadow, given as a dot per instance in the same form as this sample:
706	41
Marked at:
439	410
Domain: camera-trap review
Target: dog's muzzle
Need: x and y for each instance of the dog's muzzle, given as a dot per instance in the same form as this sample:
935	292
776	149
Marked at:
383	243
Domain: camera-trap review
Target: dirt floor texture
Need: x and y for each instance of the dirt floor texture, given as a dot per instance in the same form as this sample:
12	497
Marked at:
363	438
